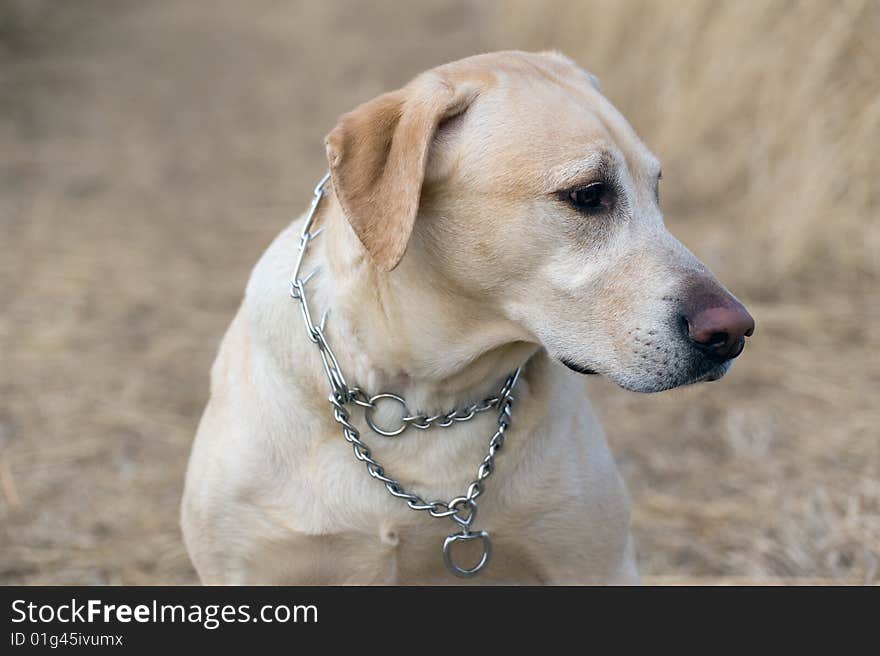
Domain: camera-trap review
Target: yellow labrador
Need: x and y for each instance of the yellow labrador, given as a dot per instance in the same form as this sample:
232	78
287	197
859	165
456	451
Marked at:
496	213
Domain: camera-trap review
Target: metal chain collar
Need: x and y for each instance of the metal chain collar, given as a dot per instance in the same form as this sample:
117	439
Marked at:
461	509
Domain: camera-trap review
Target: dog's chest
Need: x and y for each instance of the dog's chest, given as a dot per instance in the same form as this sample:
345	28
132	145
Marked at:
387	545
340	525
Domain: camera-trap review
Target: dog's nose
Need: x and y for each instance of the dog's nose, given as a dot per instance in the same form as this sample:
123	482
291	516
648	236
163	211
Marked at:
720	329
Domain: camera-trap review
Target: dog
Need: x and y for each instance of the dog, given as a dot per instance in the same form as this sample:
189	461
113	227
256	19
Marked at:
495	214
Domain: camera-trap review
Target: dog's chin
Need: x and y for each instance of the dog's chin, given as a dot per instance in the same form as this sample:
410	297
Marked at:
658	381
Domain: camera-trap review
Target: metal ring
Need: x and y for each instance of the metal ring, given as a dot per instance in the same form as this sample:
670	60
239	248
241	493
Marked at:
466	537
368	415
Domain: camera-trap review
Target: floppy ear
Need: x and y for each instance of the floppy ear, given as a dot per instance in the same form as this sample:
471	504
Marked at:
378	154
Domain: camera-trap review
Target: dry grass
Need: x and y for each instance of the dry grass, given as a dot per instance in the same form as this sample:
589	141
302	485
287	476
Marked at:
152	150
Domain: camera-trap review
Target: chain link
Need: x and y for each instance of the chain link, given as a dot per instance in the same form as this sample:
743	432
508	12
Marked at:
461	509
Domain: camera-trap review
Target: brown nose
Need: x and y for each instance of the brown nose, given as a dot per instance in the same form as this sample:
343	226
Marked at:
721	329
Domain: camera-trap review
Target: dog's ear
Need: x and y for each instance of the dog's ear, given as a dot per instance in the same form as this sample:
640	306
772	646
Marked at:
378	154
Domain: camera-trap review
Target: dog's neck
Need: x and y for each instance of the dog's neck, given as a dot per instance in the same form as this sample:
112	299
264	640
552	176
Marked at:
399	332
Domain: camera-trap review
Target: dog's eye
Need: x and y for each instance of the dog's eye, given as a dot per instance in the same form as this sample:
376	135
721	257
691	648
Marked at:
594	198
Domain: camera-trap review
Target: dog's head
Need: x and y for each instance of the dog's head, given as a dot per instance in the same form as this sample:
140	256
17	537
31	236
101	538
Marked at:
523	191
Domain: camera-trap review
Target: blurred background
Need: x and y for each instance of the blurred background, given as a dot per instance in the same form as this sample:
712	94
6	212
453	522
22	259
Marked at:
150	151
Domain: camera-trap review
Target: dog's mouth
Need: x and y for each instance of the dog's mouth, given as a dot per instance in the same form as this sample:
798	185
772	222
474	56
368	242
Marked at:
715	373
669	380
578	368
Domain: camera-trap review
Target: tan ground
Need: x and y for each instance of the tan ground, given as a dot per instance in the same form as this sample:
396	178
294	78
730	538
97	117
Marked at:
149	151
